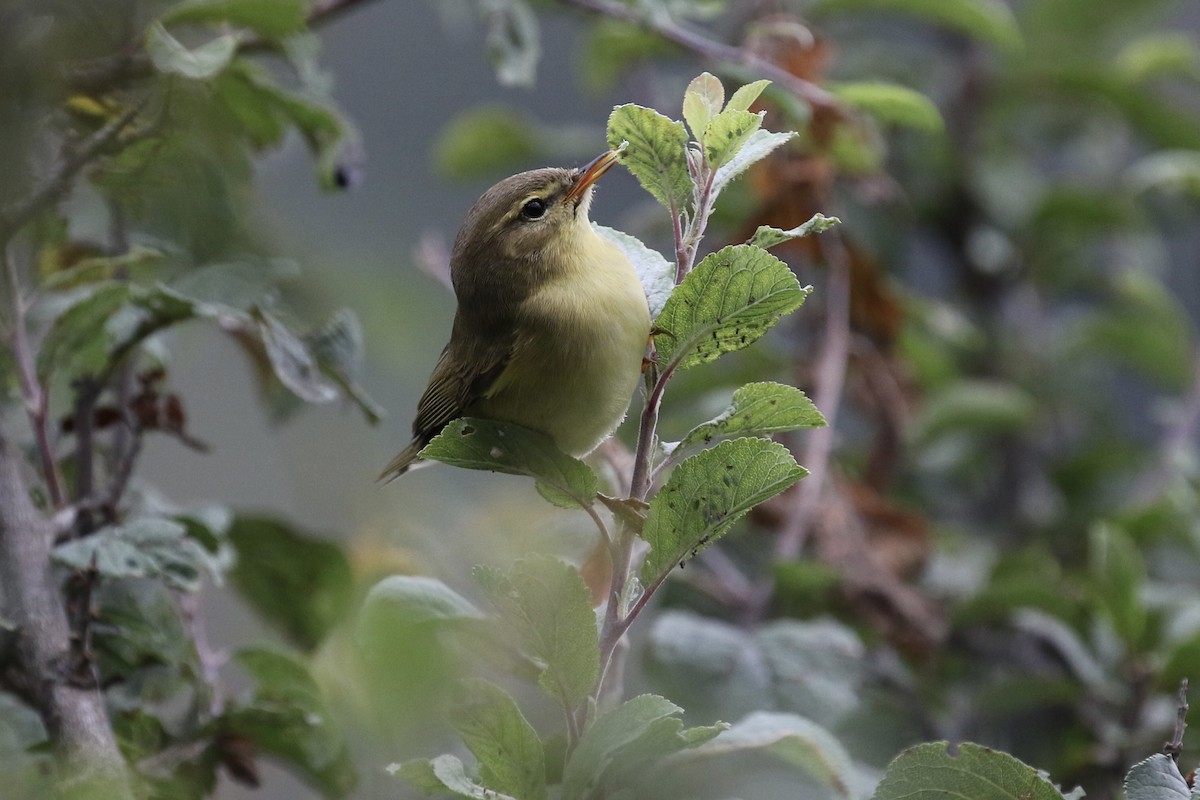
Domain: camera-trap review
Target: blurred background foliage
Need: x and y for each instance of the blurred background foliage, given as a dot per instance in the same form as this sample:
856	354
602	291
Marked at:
999	543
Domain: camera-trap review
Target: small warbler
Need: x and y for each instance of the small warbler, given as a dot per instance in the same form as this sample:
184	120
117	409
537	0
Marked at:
552	322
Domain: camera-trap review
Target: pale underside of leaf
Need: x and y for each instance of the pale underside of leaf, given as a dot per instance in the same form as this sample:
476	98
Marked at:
757	146
655	272
766	236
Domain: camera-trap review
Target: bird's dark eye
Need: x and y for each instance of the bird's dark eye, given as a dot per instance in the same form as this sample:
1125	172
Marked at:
534	209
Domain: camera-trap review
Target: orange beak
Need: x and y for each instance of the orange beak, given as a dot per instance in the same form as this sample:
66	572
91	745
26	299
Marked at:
590	174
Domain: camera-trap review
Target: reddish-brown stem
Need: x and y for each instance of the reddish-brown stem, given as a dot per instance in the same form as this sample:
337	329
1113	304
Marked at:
680	246
664	26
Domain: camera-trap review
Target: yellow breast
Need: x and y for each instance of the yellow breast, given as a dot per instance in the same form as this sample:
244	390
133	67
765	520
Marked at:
580	347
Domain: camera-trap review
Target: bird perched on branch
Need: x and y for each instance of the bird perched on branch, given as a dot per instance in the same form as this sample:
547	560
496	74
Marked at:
552	321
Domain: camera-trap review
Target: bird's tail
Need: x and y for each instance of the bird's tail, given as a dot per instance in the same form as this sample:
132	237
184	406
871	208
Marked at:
402	463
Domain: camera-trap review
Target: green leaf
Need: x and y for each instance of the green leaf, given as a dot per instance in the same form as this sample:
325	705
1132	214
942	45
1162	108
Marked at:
110	320
655	272
628	510
797	741
1118	574
1160	54
143	652
710	666
766	236
656	155
486	140
1181	659
510	754
727	302
727	133
644	728
888	102
549	606
236	92
339	350
264	109
976	406
758	409
1176	171
238	285
271	19
409	638
707	493
201	63
301	585
513	41
137	264
1068	646
703	100
502	447
79	340
21	728
745	96
25	757
287	717
757	146
1156	778
416	600
444	774
932	772
142	548
816	668
1146	328
292	361
989	21
716	669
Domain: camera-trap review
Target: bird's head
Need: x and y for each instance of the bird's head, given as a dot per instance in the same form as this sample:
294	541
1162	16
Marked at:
528	226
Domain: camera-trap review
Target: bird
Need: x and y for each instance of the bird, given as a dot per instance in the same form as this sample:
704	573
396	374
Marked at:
552	323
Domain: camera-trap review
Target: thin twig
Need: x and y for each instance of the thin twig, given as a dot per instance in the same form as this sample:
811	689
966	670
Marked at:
35	398
1174	747
681	258
614	625
125	462
59	182
719	52
696	225
639	485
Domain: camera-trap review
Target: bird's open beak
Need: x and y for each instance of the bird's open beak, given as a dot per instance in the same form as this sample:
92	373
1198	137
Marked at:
589	175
